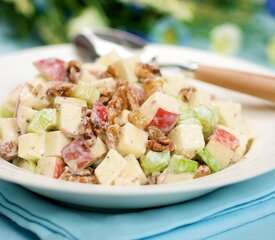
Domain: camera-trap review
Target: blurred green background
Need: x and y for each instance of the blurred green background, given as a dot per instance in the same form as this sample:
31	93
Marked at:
244	28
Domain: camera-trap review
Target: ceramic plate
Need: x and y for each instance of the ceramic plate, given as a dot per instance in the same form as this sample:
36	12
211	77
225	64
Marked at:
17	68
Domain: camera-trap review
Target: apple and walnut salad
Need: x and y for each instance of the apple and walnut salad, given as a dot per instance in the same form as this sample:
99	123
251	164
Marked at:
118	122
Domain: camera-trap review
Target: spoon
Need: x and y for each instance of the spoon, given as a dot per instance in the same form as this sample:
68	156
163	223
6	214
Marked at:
258	85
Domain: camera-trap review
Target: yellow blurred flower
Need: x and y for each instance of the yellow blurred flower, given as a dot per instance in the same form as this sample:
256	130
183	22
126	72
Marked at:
24	7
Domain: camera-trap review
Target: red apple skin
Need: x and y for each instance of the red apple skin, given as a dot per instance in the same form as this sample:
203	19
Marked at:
77	151
225	138
52	68
164	120
59	167
99	115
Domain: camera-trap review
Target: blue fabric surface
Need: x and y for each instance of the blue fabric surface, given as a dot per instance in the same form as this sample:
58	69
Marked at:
216	213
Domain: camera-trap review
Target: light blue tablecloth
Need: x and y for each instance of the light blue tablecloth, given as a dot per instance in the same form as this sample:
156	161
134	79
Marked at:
242	211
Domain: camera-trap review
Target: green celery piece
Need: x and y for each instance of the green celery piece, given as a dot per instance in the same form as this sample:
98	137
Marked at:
45	119
25	164
188	116
7	110
87	92
179	164
207	118
155	162
206	156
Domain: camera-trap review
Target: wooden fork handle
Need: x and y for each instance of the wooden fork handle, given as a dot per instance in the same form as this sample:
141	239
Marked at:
258	85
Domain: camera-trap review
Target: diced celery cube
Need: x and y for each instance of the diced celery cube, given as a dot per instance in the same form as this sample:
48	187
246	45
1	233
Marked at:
43	120
207	118
7	110
206	156
189	116
87	92
155	162
179	164
25	164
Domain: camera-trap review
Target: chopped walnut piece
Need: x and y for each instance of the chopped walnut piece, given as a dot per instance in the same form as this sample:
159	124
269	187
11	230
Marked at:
158	141
133	98
73	71
110	72
112	134
137	119
151	86
202	171
8	150
145	71
35	91
60	89
82	176
187	94
86	128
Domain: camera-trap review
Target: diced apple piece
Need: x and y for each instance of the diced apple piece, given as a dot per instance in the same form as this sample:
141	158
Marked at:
9	129
200	97
210	161
105	85
51	68
30	146
132	140
174	83
207	118
136	167
188	139
124	117
7	110
24	116
166	178
69	118
94	69
160	110
50	166
99	115
131	174
125	69
77	155
109	58
54	143
43	120
179	164
86	76
22	163
98	149
87	92
155	162
222	146
110	168
74	101
230	113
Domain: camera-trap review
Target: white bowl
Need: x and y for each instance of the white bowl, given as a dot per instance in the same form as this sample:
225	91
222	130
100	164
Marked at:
17	68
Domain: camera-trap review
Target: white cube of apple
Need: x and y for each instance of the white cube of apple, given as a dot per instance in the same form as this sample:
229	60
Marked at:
242	145
69	100
98	149
93	69
30	146
105	85
124	117
174	83
161	110
24	116
230	113
50	166
54	142
69	118
188	139
24	164
200	98
166	178
132	140
125	69
9	129
86	76
132	174
137	170
222	146
109	58
110	168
